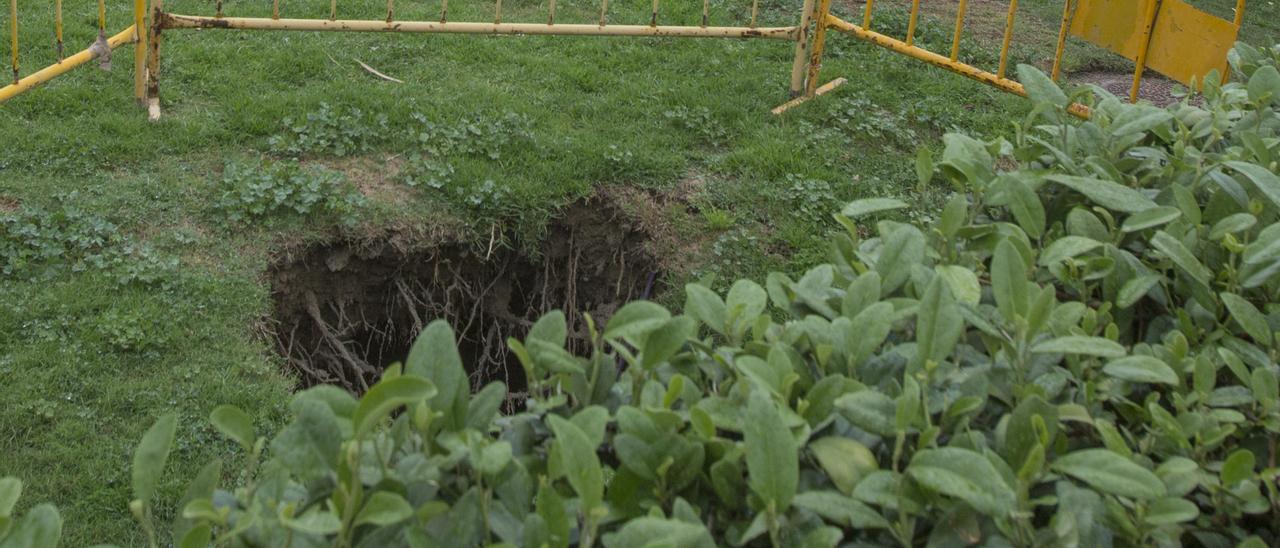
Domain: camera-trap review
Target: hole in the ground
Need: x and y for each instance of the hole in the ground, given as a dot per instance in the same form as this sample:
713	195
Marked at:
345	310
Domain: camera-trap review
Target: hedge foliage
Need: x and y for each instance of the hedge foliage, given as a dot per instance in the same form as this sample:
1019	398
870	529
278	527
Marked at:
1081	351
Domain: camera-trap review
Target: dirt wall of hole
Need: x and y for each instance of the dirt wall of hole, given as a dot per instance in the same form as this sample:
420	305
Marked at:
344	310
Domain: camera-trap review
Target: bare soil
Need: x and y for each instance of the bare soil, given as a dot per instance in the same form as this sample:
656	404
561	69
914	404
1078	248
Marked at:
346	309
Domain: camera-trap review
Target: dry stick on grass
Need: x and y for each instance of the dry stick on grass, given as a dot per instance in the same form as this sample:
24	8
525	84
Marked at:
375	72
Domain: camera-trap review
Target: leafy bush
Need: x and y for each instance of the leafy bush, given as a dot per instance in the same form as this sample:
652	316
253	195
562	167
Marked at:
1081	351
479	135
285	189
338	132
39	243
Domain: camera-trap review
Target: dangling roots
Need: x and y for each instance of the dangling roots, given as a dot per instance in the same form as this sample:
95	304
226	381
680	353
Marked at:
345	312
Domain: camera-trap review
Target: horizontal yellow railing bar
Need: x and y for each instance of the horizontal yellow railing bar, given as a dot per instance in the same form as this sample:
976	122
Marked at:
41	76
173	21
936	60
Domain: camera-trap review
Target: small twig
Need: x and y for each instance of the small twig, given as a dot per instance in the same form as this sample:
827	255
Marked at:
375	72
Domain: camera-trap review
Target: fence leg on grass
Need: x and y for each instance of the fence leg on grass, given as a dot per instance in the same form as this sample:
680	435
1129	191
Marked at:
140	35
153	60
802	49
804	72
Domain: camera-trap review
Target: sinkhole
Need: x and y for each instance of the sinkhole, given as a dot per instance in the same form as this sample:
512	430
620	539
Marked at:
344	310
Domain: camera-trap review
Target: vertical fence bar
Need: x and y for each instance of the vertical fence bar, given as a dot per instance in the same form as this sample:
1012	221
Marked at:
911	22
497	11
333	10
444	10
866	15
391	10
57	27
551	17
153	60
955	38
275	9
102	16
755	11
819	40
1008	37
140	50
706	11
604	12
802	46
653	17
13	28
1140	64
1062	39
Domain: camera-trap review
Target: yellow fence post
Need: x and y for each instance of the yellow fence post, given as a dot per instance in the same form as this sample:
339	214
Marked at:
1140	64
1008	37
819	42
140	51
13	26
1062	38
57	27
153	59
911	22
955	39
802	49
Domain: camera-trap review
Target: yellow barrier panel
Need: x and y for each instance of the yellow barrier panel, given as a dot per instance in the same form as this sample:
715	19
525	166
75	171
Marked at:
1169	36
1184	43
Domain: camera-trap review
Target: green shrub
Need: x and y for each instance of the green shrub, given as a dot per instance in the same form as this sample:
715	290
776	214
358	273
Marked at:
1081	351
285	189
39	243
337	132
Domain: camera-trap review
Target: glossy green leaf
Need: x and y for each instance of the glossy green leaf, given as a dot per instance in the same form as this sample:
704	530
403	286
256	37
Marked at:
1111	473
867	206
434	356
582	465
1067	247
846	461
966	475
1168	511
1151	218
235	424
1105	193
10	491
1141	369
649	532
841	510
1265	180
635	320
151	455
384	508
939	324
386	396
1081	345
773	469
1040	88
41	527
1237	468
869	410
705	306
1009	281
1248	316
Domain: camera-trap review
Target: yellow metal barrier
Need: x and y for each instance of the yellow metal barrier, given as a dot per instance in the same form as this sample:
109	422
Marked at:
1166	36
162	20
101	50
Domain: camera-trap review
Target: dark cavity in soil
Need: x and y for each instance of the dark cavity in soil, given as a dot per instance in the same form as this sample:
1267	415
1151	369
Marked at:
345	310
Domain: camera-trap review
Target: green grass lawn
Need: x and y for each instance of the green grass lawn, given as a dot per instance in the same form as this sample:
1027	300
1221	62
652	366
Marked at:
171	316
